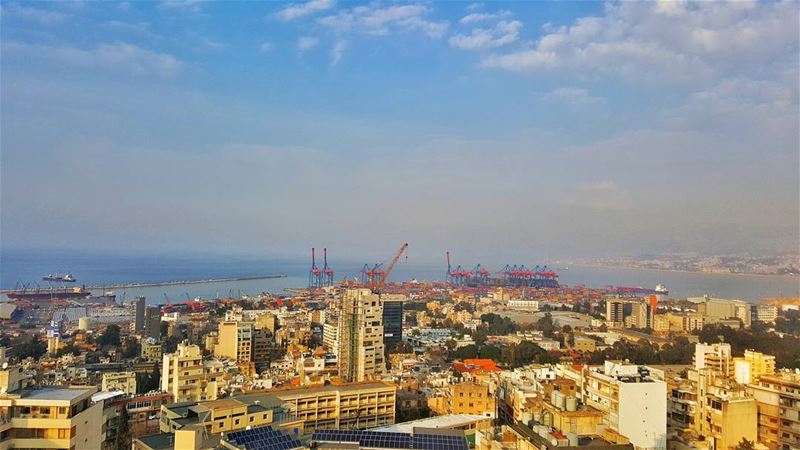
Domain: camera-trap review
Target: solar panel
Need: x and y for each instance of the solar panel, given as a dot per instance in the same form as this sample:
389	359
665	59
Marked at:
263	438
380	439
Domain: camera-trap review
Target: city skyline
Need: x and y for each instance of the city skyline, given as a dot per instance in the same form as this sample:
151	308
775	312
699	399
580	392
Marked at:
565	130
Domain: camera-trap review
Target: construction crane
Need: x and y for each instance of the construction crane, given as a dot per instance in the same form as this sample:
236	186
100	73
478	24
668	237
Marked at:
376	287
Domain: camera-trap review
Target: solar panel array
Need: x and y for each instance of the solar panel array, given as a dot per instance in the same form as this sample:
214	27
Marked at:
263	438
382	439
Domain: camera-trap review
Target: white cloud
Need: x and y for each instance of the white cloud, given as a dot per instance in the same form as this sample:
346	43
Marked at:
117	57
572	96
191	6
474	6
484	17
375	20
266	46
28	13
337	51
306	43
210	44
666	41
140	28
503	33
296	11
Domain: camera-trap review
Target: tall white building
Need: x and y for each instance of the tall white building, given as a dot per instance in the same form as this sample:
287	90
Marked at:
633	399
360	335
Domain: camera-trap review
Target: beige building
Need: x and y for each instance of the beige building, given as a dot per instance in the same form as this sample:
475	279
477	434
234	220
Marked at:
241	341
693	322
716	357
344	406
151	349
216	416
120	381
717	309
47	418
361	350
752	366
465	398
187	377
640	316
725	412
584	344
778	398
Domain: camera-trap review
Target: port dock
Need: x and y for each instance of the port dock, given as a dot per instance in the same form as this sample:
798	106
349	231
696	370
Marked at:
167	283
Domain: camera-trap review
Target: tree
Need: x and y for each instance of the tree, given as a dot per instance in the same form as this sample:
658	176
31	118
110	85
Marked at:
110	336
479	336
131	349
33	347
401	347
466	352
546	326
744	444
123	441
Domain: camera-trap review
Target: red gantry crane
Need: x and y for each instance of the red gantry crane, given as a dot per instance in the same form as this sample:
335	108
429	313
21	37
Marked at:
377	284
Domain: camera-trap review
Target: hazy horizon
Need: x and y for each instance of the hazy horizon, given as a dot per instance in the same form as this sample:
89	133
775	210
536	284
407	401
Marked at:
501	131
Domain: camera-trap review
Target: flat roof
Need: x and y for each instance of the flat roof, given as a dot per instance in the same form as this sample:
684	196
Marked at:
271	397
446	421
55	394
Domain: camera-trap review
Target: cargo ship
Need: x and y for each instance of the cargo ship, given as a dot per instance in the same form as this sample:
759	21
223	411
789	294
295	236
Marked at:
65	278
41	294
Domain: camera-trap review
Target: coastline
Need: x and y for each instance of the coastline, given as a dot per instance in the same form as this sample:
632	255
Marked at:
695	272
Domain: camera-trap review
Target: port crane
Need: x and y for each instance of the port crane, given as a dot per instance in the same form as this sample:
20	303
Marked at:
376	285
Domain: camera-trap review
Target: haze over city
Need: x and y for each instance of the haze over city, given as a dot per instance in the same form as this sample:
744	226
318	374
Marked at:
500	129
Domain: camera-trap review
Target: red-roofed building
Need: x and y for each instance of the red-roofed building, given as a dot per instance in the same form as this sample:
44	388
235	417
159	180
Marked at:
476	366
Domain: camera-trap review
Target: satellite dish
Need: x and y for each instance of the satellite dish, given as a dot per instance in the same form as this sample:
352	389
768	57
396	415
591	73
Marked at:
5	365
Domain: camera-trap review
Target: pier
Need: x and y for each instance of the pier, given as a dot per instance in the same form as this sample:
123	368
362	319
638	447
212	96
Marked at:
98	287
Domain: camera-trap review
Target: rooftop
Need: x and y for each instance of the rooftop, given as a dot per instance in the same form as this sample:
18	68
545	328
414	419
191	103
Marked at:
55	394
446	421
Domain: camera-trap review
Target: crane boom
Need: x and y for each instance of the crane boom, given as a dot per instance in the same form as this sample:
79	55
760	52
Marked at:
397	256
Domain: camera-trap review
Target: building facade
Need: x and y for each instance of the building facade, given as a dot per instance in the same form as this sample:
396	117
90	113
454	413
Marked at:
186	377
361	349
392	319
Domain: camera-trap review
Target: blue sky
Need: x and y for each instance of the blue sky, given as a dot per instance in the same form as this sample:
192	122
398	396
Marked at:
496	129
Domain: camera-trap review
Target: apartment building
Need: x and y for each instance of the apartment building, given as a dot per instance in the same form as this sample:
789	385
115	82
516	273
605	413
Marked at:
725	413
187	377
330	332
151	349
142	412
716	357
752	366
615	312
470	398
48	418
242	341
392	318
120	381
633	400
217	416
764	313
778	398
336	406
152	322
361	349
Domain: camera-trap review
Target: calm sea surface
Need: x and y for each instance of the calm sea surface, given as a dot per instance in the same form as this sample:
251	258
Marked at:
98	269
